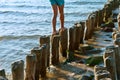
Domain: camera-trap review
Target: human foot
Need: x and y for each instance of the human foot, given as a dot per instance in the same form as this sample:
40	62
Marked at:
54	33
62	29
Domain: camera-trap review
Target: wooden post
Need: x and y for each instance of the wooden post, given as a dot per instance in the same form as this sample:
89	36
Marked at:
118	19
43	59
117	42
92	25
100	17
82	30
37	51
63	42
116	56
71	39
109	64
96	19
55	49
108	53
3	78
97	68
30	67
77	34
2	72
115	35
106	14
117	59
18	70
101	74
46	40
87	29
2	75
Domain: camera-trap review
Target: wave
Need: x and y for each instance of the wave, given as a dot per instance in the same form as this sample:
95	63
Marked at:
14	13
43	22
12	37
24	13
25	6
7	22
86	3
76	14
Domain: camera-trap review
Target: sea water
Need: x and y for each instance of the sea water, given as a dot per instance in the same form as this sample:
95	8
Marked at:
22	22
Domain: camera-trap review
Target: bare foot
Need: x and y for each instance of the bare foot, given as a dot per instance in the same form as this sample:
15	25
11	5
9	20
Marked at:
62	29
54	33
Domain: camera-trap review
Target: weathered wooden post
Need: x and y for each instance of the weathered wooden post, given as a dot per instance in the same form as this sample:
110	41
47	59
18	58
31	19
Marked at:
77	34
37	51
92	25
115	35
117	42
43	59
63	42
109	64
82	24
2	75
100	17
118	19
71	39
2	72
97	68
93	18
87	29
55	49
117	59
102	74
30	67
96	19
46	40
82	30
116	56
108	53
3	78
18	70
106	14
111	4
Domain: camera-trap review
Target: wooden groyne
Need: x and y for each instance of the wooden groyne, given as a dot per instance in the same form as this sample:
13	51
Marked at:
112	54
54	47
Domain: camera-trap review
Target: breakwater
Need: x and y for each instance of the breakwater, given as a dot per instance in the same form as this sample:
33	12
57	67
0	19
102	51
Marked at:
39	59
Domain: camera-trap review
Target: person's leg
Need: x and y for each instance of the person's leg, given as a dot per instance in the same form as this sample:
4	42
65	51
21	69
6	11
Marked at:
55	12
61	11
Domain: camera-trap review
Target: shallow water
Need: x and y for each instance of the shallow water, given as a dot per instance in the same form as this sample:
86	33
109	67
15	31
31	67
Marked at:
22	22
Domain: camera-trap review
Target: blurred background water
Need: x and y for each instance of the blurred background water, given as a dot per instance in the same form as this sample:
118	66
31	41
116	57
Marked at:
22	22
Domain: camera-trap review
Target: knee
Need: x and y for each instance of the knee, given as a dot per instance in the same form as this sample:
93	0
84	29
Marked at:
62	16
54	16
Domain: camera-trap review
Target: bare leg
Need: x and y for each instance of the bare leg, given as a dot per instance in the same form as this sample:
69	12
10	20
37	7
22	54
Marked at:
61	11
55	12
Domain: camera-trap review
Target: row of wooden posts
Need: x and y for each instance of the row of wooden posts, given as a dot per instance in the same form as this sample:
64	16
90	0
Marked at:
40	58
111	70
